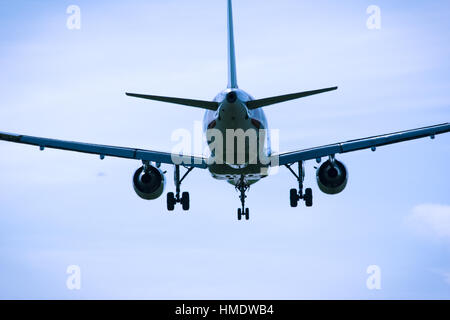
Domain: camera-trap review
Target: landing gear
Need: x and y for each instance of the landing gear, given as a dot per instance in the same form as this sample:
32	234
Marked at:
243	187
185	201
295	195
246	214
294	198
308	197
171	201
174	198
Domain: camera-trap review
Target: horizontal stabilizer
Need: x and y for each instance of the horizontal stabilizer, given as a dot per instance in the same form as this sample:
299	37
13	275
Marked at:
255	104
186	102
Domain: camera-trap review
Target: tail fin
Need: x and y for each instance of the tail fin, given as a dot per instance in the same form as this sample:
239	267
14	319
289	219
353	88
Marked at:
232	77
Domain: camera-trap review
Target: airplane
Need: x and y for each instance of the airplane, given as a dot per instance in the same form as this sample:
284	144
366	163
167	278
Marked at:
234	109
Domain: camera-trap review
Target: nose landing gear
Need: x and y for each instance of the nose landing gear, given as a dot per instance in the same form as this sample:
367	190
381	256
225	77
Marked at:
243	187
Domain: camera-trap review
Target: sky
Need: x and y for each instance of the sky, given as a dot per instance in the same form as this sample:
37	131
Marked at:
61	209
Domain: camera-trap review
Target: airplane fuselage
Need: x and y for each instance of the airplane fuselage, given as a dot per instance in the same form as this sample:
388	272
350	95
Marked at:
233	116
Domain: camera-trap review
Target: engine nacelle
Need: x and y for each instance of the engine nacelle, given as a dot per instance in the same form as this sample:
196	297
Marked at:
149	185
332	179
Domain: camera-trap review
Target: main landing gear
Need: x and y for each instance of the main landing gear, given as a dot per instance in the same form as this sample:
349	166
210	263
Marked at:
242	187
174	198
295	195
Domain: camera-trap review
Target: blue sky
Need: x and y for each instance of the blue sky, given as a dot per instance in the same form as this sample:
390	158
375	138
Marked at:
60	208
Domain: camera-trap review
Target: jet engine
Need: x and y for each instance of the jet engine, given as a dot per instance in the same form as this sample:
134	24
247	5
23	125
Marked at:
332	177
149	183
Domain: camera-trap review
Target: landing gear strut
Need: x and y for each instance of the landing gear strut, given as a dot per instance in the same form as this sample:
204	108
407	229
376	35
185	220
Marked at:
295	195
243	187
174	198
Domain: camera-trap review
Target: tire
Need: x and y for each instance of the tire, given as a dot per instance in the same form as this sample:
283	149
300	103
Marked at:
170	201
239	214
185	201
308	197
247	214
294	198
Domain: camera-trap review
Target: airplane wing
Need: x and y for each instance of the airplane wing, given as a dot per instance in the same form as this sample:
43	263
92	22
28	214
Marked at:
104	150
360	144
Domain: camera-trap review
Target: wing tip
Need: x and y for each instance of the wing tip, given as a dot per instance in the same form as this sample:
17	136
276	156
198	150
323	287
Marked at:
5	136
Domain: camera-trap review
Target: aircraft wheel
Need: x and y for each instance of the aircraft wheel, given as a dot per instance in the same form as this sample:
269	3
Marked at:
308	197
294	198
239	214
171	201
185	201
247	214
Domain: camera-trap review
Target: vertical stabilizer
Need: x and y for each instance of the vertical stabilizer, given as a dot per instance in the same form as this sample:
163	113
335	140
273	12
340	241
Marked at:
232	78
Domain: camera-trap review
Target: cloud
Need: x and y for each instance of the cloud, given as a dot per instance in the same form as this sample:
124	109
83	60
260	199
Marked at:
431	220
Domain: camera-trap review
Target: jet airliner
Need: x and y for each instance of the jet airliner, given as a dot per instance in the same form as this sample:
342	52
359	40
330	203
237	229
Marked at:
234	109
